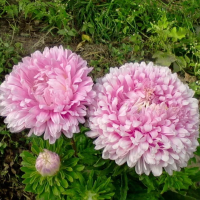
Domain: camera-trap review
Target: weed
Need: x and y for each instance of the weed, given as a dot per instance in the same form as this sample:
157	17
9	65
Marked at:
9	55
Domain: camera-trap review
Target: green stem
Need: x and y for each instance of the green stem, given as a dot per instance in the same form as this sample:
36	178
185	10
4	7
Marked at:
124	186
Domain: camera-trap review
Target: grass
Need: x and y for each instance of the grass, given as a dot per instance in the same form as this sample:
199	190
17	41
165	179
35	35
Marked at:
106	33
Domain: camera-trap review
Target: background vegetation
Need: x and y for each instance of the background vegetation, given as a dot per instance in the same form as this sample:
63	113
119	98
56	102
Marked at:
106	33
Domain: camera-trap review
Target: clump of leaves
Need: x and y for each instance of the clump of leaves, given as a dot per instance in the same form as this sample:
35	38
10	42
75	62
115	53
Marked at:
91	187
54	186
9	55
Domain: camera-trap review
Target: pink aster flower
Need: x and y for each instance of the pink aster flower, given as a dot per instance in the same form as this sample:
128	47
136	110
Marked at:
48	93
47	163
145	116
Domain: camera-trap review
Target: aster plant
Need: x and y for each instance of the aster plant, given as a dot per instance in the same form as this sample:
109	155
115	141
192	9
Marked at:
49	169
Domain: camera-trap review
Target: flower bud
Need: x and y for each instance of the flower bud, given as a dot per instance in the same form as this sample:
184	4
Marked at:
47	163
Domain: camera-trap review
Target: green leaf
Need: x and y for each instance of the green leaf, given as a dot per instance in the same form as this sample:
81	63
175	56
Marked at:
64	183
165	188
28	188
35	149
55	190
34	176
80	177
26	154
50	180
71	162
148	181
26	181
57	181
90	181
164	58
99	162
124	186
40	189
47	188
176	67
196	177
28	169
83	129
73	175
181	62
69	169
68	154
177	35
69	177
79	168
35	184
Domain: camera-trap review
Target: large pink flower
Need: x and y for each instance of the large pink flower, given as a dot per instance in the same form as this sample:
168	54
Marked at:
145	116
48	93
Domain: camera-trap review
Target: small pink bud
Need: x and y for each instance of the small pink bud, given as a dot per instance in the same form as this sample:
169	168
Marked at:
47	163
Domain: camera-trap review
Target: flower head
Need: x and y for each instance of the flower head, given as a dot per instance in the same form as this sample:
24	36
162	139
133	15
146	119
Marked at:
48	93
145	116
47	163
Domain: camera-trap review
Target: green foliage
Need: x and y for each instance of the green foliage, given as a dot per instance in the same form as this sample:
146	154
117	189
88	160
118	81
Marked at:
9	55
91	187
55	186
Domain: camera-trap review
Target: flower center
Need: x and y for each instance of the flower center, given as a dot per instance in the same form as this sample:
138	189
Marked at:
49	89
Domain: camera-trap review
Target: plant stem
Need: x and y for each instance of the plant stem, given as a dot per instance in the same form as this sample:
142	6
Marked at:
74	146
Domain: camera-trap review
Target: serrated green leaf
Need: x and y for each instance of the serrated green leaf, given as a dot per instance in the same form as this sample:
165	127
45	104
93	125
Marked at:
28	169
42	178
47	188
50	180
34	176
28	188
119	170
191	171
68	154
35	149
35	184
90	181
71	162
26	154
41	143
26	176
26	164
40	189
26	181
196	177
